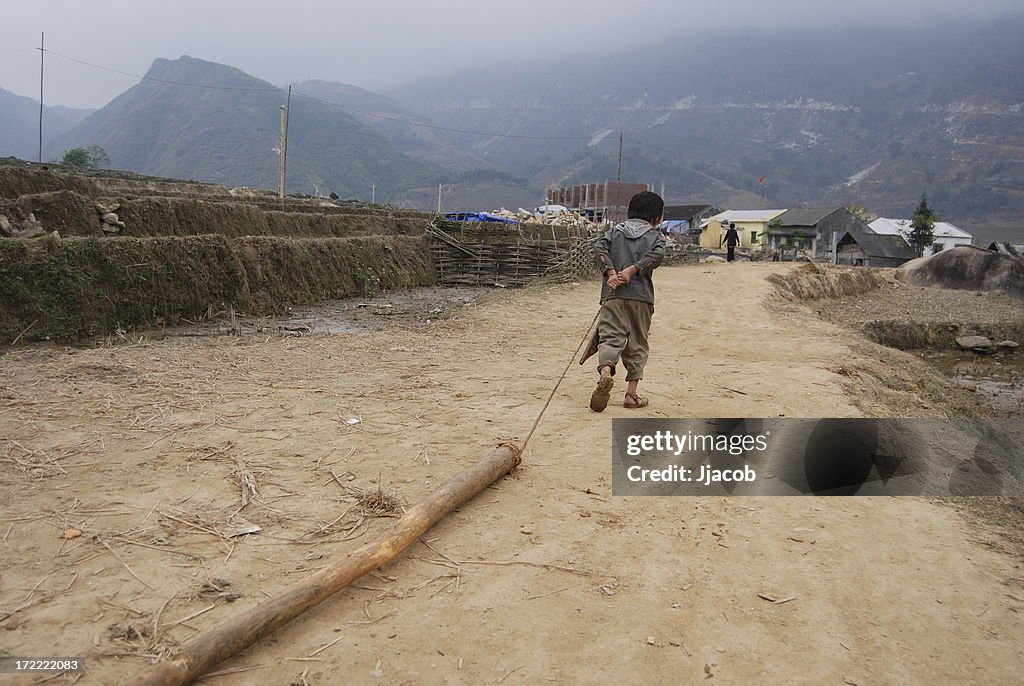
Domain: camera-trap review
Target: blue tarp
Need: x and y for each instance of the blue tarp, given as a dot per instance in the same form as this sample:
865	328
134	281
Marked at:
674	226
479	217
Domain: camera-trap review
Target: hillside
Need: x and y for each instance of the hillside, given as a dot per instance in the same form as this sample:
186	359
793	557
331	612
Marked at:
407	131
874	117
193	119
19	124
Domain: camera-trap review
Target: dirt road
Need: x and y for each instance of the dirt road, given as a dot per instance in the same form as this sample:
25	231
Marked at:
151	446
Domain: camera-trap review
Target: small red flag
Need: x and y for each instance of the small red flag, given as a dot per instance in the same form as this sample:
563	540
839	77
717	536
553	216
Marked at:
761	180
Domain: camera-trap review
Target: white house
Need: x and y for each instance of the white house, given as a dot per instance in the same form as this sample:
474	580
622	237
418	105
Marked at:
946	235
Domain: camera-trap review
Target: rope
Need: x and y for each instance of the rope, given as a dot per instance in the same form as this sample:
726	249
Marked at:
586	338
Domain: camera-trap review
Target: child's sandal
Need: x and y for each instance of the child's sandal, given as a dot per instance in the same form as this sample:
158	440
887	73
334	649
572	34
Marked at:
634	401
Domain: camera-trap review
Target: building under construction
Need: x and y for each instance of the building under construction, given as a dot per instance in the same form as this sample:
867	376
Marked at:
600	202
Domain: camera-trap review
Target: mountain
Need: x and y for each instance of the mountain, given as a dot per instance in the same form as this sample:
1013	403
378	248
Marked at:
412	134
193	119
19	124
875	117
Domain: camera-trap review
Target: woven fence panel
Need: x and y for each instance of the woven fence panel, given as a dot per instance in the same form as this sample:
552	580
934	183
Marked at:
508	264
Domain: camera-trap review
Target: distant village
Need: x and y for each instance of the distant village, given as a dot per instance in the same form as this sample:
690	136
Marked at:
823	234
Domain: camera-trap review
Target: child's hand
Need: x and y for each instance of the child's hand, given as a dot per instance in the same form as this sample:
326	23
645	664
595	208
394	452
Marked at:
624	276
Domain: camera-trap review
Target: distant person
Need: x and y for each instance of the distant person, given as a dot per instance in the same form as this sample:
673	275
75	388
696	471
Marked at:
627	254
731	240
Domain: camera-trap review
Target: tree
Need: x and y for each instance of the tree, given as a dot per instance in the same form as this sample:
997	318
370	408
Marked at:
76	157
922	227
98	157
860	213
92	157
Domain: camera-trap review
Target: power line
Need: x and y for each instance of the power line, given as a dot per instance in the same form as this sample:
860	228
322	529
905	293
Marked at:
445	128
321	100
154	78
375	115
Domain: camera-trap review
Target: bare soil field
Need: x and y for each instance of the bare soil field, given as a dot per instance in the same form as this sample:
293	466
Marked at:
924	305
163	453
927	320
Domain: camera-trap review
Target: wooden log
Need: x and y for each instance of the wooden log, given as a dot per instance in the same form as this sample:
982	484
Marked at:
209	648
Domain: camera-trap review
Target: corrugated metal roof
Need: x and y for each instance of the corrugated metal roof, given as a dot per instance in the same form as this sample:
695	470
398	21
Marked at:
901	227
747	215
882	245
684	211
806	216
1007	248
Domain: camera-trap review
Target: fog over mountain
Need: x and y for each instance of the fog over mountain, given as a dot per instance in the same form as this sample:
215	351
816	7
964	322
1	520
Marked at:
224	127
829	116
381	45
874	104
19	124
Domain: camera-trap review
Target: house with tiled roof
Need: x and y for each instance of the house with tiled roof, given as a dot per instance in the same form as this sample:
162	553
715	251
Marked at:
813	231
862	247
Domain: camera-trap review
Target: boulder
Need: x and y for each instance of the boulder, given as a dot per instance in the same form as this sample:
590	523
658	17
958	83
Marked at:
111	223
967	268
1008	345
112	206
714	259
978	344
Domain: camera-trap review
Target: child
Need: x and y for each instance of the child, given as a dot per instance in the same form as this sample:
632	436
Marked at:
627	254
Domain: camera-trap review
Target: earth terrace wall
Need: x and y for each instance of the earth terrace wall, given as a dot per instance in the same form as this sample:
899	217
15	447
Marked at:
73	214
811	281
17	181
66	289
31	186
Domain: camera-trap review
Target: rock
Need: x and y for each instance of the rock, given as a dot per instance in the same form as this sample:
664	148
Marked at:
967	268
5	226
111	223
978	344
1010	345
30	232
713	259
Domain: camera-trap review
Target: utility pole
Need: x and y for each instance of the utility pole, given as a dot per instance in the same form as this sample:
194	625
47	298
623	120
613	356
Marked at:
439	199
282	148
280	159
373	195
42	53
619	177
284	162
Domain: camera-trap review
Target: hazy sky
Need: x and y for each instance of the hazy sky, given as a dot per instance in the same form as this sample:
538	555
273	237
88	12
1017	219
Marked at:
378	44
